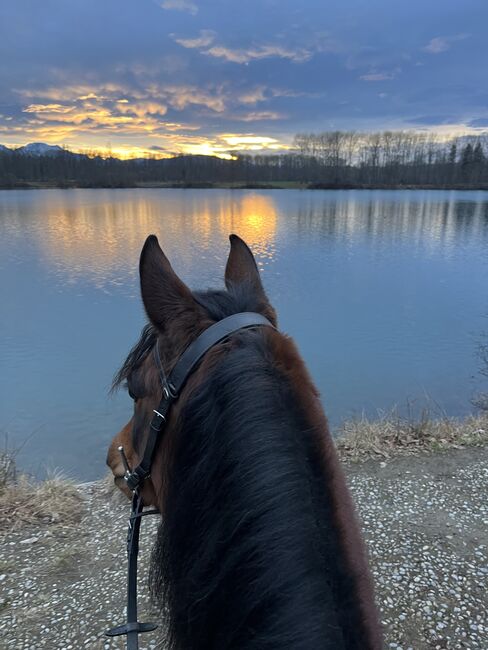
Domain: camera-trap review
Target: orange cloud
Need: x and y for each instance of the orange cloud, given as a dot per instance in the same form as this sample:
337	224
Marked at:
176	126
81	116
47	108
235	140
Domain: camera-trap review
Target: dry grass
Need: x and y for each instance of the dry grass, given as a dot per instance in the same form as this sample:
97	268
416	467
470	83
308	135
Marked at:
55	500
7	469
393	435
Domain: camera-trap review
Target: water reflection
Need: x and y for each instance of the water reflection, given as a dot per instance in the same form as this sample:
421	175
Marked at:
99	236
418	216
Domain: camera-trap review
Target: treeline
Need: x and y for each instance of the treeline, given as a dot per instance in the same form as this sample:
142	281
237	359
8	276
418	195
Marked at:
330	159
395	158
75	170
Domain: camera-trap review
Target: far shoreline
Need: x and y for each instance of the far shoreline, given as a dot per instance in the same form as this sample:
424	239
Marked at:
282	185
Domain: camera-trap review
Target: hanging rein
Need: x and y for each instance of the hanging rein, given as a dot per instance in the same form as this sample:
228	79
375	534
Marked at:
171	389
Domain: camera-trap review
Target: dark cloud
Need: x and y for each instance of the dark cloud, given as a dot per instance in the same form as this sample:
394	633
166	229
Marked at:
172	74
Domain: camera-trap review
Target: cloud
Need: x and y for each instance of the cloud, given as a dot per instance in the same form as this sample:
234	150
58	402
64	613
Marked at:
251	142
48	108
206	38
224	145
180	5
242	55
299	55
177	126
236	140
143	109
70	92
180	97
437	45
91	96
443	43
259	116
173	67
377	76
252	96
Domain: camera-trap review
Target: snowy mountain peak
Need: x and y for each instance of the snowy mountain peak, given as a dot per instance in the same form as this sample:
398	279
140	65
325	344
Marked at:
40	149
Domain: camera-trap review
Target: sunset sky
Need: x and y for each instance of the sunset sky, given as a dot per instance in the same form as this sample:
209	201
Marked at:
216	76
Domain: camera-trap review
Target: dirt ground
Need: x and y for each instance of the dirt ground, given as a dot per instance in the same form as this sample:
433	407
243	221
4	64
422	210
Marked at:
425	519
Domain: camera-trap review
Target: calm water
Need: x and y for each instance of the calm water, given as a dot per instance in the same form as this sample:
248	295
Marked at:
385	293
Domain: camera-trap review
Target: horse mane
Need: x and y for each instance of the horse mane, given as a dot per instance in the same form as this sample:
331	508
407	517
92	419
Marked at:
136	356
248	554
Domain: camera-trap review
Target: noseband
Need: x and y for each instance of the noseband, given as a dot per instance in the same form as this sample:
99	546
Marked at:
171	389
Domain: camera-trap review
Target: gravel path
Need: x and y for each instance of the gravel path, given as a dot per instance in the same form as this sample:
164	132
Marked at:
426	523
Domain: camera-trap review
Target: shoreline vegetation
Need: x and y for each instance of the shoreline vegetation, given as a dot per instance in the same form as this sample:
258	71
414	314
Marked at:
285	185
392	435
25	501
327	160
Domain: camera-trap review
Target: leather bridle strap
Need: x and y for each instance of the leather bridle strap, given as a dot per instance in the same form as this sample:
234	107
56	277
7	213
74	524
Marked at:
172	387
133	628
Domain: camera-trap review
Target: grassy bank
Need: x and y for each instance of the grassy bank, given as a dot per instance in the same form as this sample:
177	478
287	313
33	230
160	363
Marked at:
393	435
57	500
24	501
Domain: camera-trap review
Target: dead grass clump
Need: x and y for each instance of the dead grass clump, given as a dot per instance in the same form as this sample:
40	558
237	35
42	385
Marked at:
7	469
25	501
392	435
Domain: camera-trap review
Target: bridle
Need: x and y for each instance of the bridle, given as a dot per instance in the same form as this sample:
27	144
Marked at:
134	478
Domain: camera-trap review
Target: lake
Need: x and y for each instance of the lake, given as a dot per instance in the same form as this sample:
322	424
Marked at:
385	292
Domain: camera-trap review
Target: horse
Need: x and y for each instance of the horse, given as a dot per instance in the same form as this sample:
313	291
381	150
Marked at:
259	546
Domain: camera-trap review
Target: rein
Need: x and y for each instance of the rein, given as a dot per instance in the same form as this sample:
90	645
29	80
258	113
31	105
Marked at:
171	389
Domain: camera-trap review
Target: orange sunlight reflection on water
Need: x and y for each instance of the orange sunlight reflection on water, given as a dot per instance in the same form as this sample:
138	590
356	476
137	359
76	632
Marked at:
100	240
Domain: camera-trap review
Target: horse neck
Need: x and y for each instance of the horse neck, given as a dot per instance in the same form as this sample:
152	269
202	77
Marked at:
251	554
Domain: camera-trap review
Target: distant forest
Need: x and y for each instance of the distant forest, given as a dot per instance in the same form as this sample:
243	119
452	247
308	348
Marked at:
338	159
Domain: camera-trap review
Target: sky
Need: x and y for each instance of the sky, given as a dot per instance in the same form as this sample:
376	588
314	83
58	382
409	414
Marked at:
139	77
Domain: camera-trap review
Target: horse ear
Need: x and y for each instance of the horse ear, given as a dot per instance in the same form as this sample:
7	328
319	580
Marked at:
164	295
241	268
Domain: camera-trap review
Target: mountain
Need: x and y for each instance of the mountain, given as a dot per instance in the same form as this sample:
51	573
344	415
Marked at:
4	148
40	149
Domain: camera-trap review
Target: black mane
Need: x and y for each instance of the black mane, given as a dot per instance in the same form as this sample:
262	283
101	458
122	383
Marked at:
136	356
220	304
247	556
